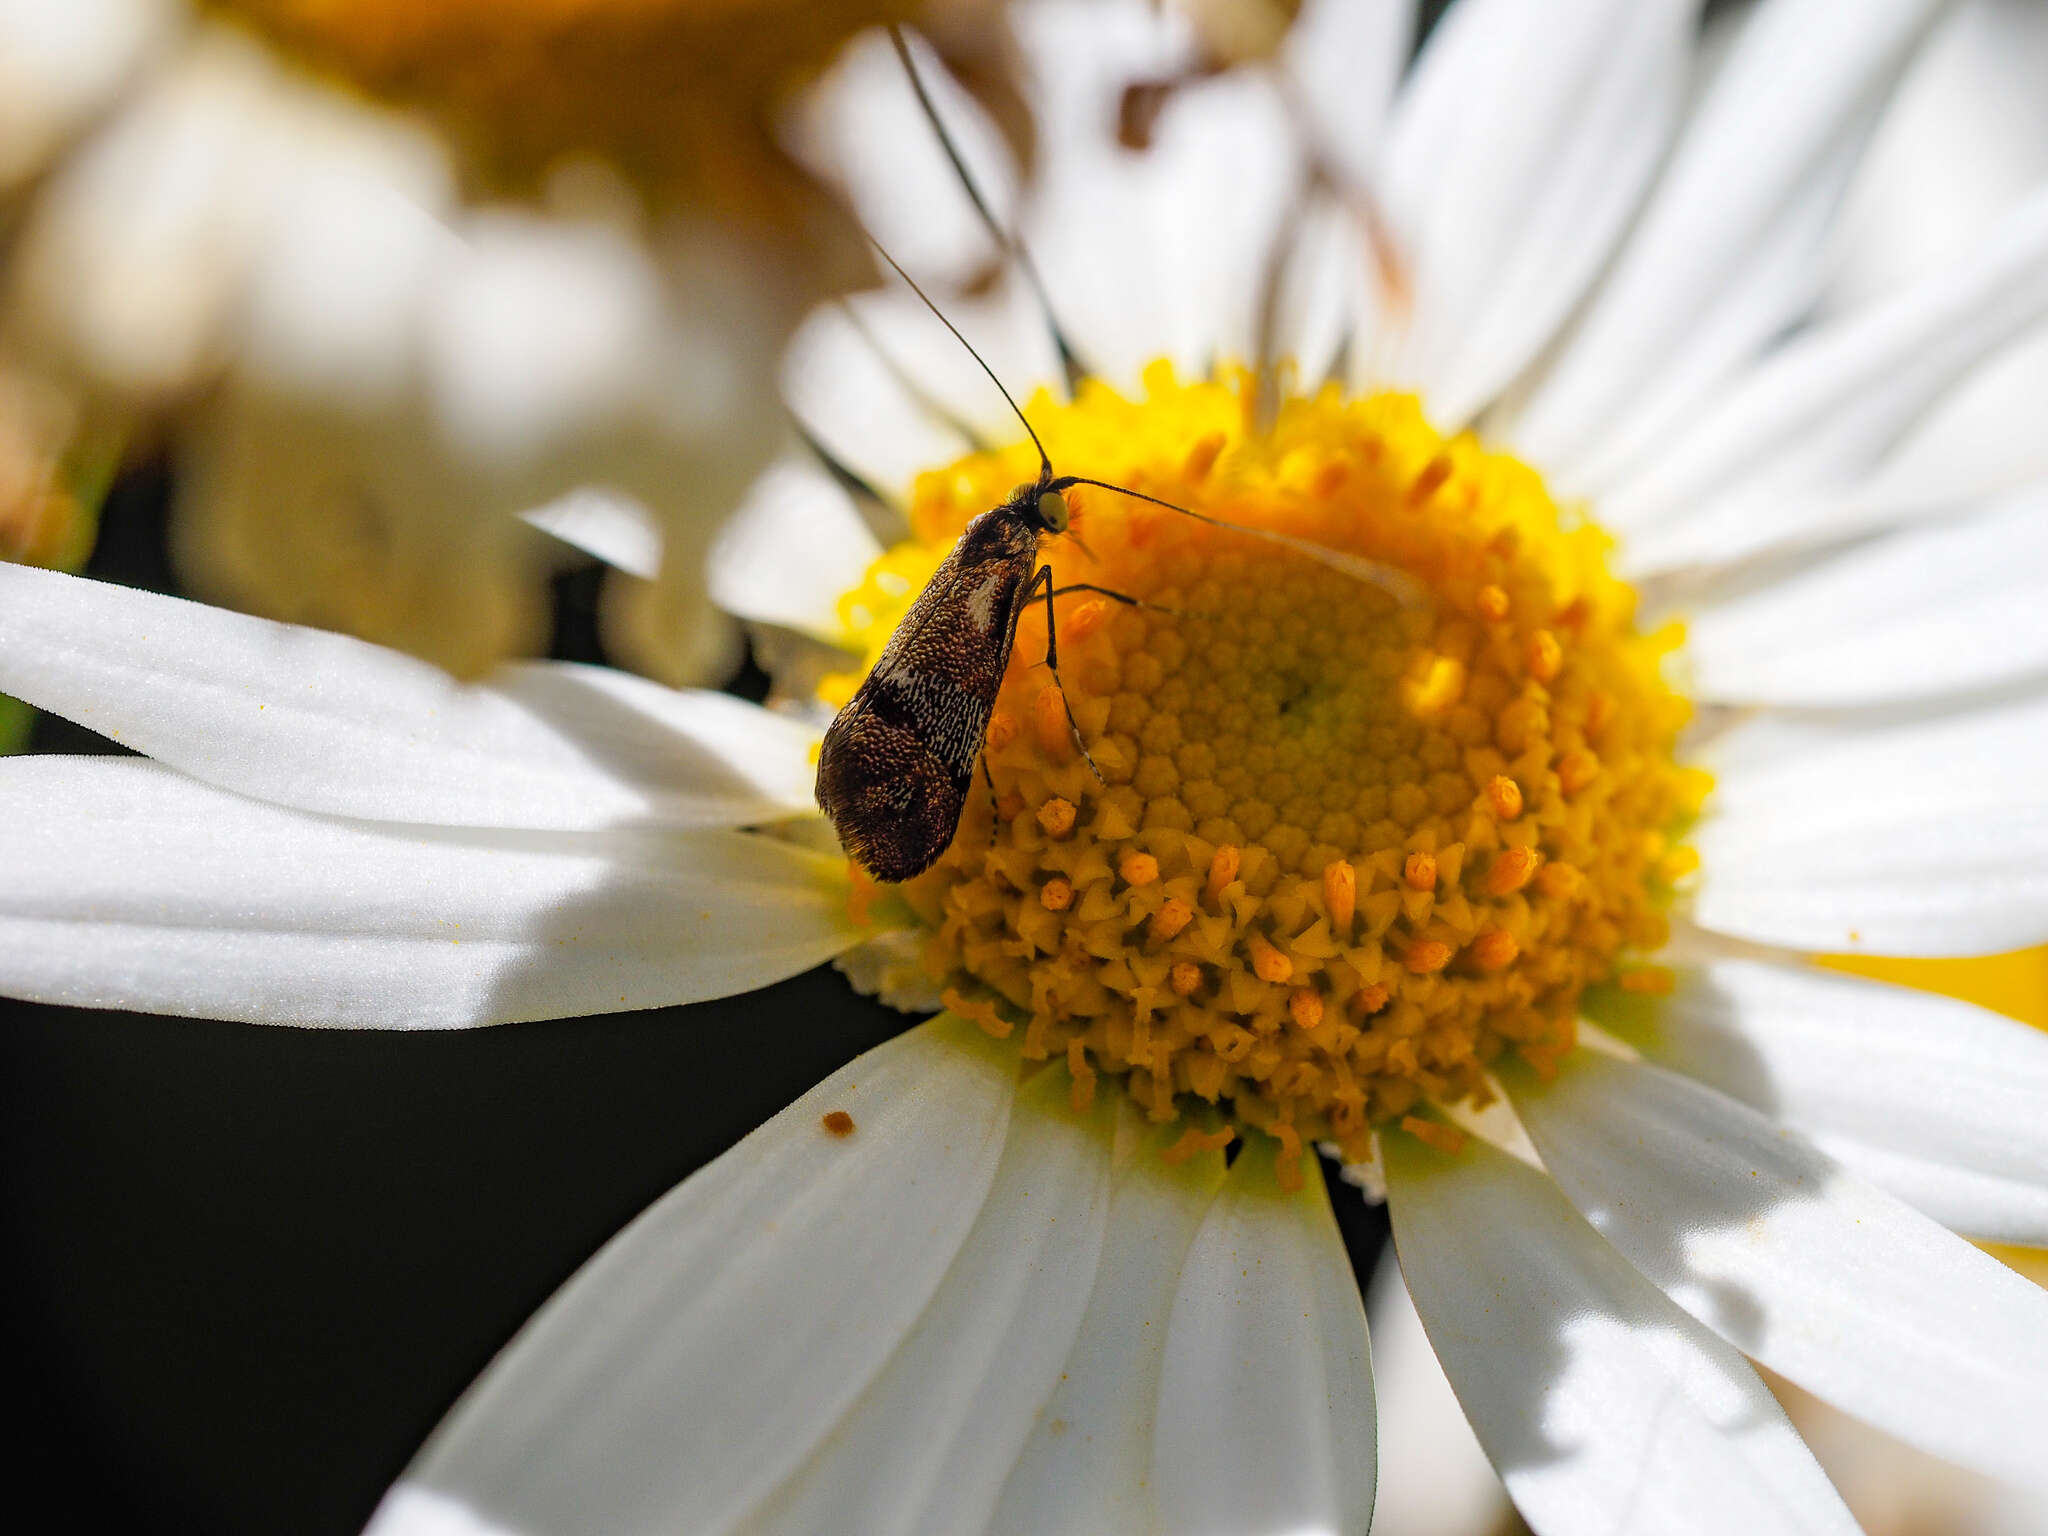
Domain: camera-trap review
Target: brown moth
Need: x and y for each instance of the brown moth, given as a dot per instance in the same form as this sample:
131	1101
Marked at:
899	760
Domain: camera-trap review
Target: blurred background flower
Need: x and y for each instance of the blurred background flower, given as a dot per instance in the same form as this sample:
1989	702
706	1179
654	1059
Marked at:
378	279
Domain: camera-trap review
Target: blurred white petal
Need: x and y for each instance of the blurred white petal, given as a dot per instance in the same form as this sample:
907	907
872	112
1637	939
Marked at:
539	331
1602	1405
1729	250
691	1365
1924	614
59	64
1265	1417
861	127
1517	153
1347	56
130	886
612	527
927	1447
791	551
1840	1287
322	722
1925	836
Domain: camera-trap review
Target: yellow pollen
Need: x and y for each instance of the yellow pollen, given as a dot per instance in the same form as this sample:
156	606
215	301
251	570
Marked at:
1504	795
1138	868
1057	817
1419	872
1346	850
1340	896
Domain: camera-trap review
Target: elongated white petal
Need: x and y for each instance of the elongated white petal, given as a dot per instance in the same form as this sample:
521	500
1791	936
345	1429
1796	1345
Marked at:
1602	1406
58	66
1347	57
615	528
694	1362
1849	1292
1442	1484
1767	464
861	126
928	1445
1516	156
1729	250
1132	251
1941	1102
1926	837
324	722
792	550
1087	1465
129	886
1943	611
1265	1419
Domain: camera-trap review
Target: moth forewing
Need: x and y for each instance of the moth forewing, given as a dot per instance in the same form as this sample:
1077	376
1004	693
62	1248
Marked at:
898	762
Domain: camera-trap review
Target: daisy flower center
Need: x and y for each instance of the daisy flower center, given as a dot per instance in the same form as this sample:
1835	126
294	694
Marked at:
1347	847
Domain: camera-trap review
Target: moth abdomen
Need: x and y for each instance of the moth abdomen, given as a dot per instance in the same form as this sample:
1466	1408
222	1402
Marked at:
889	793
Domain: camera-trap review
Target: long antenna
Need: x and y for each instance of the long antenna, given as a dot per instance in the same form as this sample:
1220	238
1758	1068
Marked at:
1008	242
1399	585
1044	463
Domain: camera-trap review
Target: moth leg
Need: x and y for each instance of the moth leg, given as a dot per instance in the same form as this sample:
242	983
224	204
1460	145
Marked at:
1118	597
1052	662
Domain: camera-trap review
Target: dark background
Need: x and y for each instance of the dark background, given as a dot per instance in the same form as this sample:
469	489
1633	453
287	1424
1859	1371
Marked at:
244	1270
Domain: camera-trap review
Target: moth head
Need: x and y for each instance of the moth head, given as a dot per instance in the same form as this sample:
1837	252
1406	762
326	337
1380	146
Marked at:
1052	511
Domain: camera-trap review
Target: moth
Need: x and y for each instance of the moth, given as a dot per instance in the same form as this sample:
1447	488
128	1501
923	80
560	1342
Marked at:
899	759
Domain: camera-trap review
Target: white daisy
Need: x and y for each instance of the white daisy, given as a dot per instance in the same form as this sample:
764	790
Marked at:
939	1293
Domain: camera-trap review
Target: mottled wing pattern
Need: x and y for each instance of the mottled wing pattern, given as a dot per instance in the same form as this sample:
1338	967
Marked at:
899	760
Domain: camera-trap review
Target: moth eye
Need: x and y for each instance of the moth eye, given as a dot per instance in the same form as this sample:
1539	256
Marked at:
1052	511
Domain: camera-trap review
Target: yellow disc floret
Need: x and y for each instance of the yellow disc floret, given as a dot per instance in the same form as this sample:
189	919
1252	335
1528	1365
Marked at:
1352	840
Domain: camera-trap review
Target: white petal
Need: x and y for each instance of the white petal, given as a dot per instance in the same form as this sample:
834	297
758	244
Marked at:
928	1445
1347	57
1442	1484
1138	264
847	396
1602	1405
409	1510
1087	1465
1941	1102
1847	1291
697	1359
1729	250
791	551
607	524
1265	1418
1090	221
58	66
1942	611
1516	156
129	886
861	126
1777	459
322	722
1926	837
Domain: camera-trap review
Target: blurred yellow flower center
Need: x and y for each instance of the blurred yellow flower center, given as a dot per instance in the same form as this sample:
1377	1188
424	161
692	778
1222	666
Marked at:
1351	847
679	94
